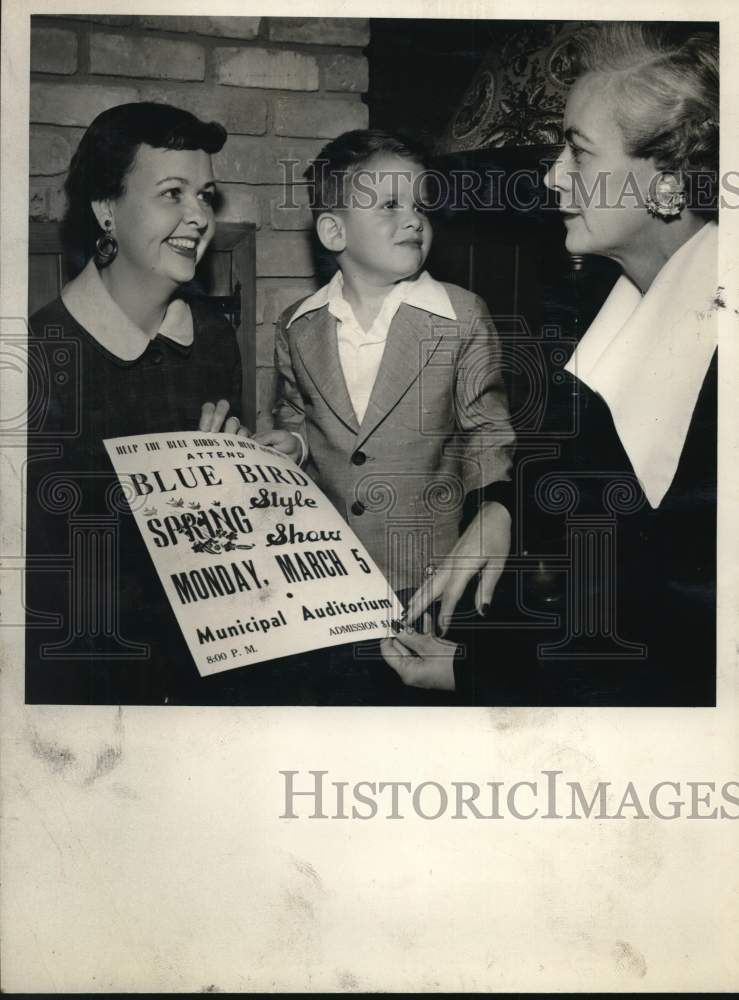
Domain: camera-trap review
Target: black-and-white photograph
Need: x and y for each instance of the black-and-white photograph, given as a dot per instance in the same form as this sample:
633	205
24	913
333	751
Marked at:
368	464
478	310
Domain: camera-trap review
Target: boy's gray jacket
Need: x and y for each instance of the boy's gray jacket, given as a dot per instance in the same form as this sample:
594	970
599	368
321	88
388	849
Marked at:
437	426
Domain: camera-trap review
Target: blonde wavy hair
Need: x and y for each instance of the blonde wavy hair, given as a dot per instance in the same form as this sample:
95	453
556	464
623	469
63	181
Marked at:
666	95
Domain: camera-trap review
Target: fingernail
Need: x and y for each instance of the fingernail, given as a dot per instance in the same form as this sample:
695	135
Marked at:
483	612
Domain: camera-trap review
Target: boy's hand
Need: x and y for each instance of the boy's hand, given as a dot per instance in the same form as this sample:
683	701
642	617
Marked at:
483	549
282	441
212	416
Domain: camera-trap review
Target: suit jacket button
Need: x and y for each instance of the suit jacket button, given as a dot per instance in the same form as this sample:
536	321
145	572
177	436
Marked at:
359	458
357	507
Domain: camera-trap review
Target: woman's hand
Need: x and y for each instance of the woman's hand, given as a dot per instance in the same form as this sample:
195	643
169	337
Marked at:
420	659
483	549
212	416
282	441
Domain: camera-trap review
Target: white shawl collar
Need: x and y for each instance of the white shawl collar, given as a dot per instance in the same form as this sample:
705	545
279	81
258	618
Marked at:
647	356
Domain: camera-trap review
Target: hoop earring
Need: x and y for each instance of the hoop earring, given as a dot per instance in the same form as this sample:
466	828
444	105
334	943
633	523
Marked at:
668	199
106	246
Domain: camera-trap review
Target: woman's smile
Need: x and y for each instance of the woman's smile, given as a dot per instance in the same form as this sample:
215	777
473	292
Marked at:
164	219
184	245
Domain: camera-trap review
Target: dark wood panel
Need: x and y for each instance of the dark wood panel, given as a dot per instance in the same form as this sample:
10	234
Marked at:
43	280
515	259
244	284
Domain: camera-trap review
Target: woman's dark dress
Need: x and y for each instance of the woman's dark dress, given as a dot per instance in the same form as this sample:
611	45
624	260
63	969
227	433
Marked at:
116	639
129	648
660	594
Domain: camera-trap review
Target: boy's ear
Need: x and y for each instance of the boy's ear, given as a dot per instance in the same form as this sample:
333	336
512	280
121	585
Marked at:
331	231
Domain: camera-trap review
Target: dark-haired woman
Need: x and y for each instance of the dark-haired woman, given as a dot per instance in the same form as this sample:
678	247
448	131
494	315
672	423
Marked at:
624	516
143	359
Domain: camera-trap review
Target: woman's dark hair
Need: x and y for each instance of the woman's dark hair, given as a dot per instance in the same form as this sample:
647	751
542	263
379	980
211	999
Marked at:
106	154
343	157
665	87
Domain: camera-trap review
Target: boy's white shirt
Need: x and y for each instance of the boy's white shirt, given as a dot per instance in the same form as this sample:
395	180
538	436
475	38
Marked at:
647	356
360	351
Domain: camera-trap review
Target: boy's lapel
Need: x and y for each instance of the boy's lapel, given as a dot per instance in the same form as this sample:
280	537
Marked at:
411	341
318	347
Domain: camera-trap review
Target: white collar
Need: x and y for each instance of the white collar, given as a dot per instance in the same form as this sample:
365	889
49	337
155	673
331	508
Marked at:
647	356
90	303
423	292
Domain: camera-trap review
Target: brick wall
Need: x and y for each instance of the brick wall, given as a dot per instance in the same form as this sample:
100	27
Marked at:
280	86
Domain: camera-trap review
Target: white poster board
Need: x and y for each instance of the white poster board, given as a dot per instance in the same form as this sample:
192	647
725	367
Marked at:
255	561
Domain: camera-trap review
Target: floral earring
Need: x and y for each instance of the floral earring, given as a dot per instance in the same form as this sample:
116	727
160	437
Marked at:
667	200
106	247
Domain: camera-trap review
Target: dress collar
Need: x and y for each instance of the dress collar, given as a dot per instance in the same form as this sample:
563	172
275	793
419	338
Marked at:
647	356
423	292
89	302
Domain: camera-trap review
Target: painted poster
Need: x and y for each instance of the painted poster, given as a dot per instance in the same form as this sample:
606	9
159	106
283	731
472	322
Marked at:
255	561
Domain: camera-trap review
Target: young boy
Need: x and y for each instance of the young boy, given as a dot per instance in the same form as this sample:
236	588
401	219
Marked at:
390	391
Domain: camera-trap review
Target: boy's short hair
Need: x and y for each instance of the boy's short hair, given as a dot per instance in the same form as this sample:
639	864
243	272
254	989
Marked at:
344	156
